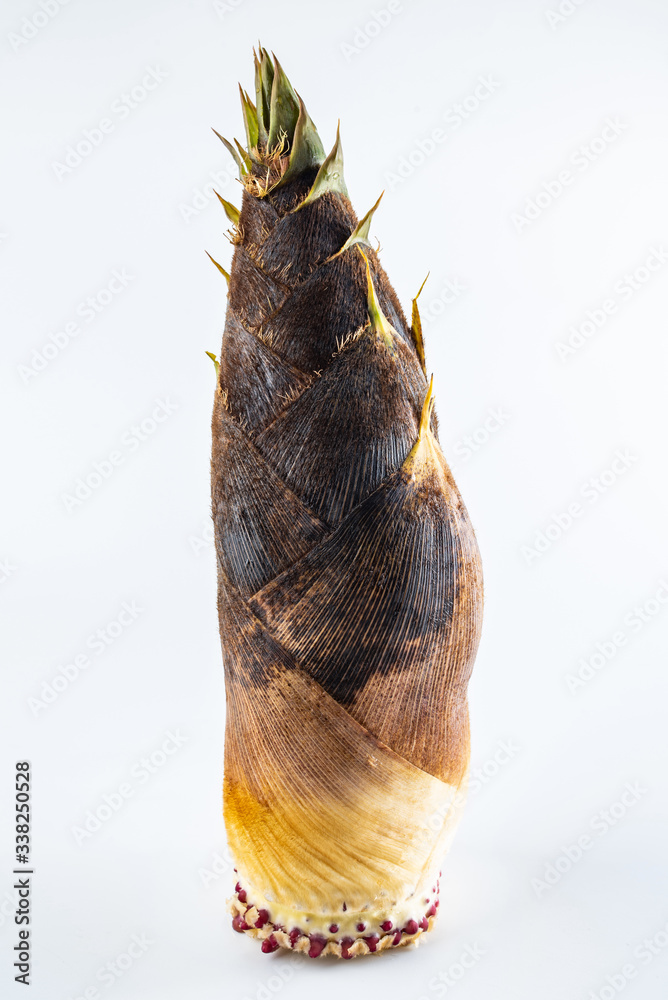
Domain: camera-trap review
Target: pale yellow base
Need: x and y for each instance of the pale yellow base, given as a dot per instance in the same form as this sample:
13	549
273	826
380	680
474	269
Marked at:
333	947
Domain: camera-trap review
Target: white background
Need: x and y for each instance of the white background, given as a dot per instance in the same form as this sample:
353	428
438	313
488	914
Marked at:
140	202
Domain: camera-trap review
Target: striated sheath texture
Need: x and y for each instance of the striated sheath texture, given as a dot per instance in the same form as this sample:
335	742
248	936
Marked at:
349	578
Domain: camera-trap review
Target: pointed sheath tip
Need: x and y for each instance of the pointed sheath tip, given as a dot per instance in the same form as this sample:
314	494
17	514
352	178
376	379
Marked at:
231	211
216	363
243	97
239	155
416	328
251	127
330	172
221	269
379	323
222	138
427	408
421	456
371	294
306	151
244	156
421	287
360	234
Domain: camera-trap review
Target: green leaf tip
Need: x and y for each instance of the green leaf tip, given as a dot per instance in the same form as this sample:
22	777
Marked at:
360	233
283	109
221	269
280	134
239	155
231	211
247	159
330	175
250	121
379	323
216	364
306	149
264	78
416	328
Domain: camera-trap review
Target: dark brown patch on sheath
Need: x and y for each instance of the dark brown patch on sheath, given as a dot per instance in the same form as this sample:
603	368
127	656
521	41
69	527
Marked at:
352	428
261	527
258	383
